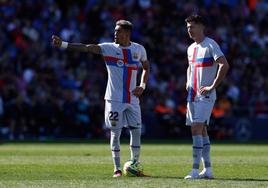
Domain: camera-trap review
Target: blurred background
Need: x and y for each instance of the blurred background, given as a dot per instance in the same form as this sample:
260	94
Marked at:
50	94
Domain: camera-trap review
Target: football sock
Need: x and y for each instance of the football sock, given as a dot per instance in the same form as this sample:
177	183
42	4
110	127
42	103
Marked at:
135	141
115	147
197	150
206	152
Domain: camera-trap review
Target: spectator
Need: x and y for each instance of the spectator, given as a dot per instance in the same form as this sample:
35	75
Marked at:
28	63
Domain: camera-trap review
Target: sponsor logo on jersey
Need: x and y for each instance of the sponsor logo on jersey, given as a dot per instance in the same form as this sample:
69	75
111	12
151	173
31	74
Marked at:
120	63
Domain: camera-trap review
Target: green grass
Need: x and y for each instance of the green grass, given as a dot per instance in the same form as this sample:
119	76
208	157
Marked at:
90	165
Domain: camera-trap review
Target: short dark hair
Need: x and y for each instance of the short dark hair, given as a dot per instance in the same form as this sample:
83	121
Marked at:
196	18
127	25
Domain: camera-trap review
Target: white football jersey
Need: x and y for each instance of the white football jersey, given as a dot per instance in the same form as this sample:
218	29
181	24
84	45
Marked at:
201	58
122	64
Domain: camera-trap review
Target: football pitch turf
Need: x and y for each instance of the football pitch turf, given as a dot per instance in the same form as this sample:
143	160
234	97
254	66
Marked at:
90	165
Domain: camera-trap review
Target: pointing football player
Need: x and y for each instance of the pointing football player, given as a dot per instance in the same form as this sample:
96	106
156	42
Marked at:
122	109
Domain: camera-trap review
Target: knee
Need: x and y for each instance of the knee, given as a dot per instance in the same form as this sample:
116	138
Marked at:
115	137
204	132
197	129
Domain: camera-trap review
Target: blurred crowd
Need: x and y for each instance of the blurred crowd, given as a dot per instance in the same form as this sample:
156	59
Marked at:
51	93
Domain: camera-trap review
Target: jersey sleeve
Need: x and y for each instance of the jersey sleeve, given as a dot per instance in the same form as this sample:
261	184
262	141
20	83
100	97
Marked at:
143	54
105	48
215	50
188	54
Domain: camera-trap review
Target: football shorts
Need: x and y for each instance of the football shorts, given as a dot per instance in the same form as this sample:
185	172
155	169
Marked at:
119	115
199	111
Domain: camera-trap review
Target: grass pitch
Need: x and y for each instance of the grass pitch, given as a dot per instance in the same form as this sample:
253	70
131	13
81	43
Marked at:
90	165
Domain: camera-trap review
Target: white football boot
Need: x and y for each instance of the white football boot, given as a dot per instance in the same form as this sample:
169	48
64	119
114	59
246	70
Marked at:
192	175
206	174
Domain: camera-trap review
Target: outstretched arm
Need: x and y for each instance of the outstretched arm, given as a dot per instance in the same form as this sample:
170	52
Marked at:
92	48
222	70
144	78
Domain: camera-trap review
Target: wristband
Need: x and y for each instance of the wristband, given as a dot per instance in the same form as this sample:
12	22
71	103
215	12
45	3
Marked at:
64	45
143	86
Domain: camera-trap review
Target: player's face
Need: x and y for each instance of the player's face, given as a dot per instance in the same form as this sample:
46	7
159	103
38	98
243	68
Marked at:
195	30
121	36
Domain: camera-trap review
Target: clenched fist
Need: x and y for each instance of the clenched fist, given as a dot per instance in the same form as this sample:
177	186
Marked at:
56	41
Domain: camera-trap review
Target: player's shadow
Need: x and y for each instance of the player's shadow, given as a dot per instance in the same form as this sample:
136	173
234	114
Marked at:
242	179
222	179
166	177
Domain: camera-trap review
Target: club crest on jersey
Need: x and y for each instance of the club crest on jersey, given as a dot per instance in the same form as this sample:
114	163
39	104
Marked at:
120	63
135	55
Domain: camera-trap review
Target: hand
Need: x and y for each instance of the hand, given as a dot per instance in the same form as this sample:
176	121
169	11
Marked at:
137	91
56	41
205	90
